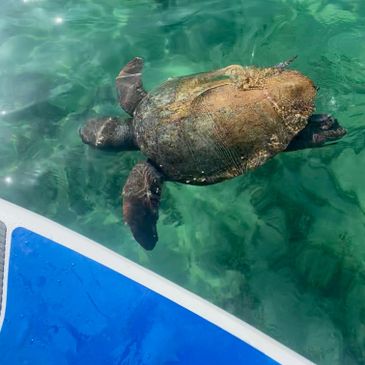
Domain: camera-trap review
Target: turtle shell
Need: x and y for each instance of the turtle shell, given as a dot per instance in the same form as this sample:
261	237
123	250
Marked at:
205	128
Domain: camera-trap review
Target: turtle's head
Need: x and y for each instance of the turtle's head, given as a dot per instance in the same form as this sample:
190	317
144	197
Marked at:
325	128
108	133
321	128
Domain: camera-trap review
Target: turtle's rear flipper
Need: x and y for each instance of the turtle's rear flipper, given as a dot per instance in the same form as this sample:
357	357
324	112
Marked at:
129	85
141	200
321	128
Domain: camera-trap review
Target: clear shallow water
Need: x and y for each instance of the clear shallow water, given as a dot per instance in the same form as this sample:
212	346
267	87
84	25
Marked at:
281	247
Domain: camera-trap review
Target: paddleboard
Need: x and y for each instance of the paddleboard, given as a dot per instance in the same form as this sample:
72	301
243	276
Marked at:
65	299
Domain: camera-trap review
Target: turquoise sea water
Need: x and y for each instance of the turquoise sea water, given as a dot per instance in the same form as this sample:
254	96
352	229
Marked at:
282	247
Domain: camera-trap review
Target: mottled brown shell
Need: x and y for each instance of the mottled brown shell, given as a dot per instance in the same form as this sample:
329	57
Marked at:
213	126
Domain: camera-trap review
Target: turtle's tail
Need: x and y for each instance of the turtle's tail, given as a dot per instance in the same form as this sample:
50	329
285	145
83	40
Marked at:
283	65
321	128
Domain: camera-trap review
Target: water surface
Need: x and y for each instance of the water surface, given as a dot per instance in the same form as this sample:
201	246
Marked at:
281	247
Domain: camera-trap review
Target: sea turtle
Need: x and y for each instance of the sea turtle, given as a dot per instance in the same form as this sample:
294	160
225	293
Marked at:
205	128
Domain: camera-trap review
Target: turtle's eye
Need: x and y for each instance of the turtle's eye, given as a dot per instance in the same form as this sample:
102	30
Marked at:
328	123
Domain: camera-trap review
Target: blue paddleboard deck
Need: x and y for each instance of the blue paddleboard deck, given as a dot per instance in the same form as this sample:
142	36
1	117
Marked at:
79	303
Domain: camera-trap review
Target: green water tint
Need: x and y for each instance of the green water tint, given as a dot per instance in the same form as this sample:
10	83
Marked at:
281	247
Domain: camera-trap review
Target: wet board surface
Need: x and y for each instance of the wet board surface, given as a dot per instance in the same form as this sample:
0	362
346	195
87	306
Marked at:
67	300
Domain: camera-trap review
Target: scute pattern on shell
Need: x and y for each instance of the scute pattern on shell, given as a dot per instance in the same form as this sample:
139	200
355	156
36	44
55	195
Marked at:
205	128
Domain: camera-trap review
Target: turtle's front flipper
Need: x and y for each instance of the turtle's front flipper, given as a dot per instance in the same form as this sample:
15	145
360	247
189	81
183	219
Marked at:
129	85
141	200
109	133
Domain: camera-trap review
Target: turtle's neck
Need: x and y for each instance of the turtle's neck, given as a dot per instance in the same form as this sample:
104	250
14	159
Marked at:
125	135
